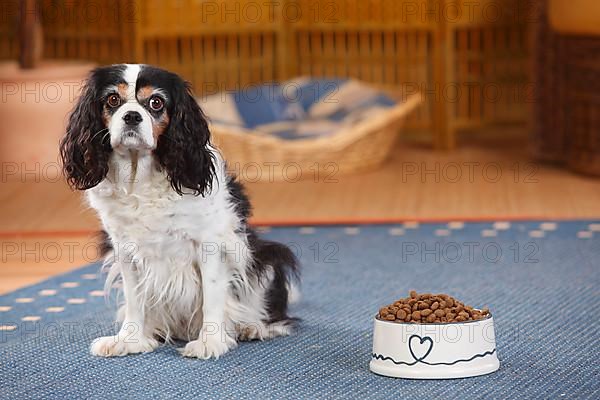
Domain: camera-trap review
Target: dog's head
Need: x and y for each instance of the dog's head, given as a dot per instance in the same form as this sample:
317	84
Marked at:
138	108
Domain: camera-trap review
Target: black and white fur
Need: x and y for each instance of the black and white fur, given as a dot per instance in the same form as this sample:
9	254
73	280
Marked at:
176	224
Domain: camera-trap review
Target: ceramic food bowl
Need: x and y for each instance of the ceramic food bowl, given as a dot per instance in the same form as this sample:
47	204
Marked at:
434	351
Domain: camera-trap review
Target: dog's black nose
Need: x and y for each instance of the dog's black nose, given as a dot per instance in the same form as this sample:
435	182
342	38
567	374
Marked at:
132	118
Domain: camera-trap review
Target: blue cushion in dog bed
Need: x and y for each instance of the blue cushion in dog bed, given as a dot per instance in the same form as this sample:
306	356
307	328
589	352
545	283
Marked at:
296	109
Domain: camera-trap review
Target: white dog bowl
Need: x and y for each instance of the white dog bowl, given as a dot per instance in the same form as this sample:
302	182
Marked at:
434	351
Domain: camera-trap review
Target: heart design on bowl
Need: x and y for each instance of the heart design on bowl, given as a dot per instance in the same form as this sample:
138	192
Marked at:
421	346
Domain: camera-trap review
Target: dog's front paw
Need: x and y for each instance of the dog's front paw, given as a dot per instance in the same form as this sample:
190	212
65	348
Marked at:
209	347
119	345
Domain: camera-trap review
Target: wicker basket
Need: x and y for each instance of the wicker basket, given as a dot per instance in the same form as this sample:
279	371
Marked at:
583	111
549	139
566	121
366	145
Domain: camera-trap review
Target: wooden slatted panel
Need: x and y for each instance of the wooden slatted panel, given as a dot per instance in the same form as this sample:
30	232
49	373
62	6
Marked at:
86	29
78	29
229	44
488	62
217	45
9	46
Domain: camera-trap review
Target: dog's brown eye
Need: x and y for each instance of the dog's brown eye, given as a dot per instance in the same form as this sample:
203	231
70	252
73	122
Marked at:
113	100
156	103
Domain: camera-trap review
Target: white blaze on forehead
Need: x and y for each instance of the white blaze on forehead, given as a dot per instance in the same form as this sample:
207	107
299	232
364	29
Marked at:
130	76
120	137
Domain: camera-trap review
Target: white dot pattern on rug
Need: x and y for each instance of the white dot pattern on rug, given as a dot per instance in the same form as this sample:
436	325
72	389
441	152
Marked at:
594	227
442	232
306	230
47	292
24	300
536	234
489	233
69	285
396	231
548	226
501	225
351	231
55	309
7	328
411	225
97	293
89	276
76	301
31	318
5	308
456	225
585	234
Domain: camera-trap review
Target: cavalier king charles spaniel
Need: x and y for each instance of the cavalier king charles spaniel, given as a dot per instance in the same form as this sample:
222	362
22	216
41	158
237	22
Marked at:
175	223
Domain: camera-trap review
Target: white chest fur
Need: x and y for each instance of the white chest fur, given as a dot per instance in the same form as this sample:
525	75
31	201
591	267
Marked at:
162	236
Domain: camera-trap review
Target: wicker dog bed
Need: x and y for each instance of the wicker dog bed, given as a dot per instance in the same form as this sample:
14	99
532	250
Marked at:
354	146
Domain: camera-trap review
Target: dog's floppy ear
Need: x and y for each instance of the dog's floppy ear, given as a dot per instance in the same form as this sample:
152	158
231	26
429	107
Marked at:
85	149
182	150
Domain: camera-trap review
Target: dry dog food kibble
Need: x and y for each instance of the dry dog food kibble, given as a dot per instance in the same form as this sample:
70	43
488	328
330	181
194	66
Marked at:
430	308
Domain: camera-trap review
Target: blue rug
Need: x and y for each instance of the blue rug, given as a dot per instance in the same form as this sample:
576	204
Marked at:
541	281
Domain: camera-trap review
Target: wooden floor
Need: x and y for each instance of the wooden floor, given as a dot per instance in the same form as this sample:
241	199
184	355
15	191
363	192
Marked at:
45	229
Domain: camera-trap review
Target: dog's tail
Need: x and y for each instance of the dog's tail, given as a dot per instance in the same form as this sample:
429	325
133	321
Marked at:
285	282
